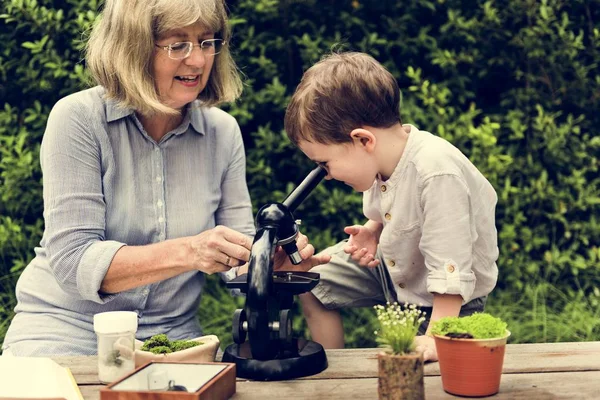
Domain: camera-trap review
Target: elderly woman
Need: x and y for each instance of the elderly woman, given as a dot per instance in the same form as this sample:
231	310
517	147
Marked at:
144	182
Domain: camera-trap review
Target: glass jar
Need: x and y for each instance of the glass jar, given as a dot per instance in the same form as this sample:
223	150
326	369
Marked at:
115	331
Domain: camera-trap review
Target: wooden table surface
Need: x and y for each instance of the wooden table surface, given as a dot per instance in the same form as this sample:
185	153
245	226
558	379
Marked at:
531	371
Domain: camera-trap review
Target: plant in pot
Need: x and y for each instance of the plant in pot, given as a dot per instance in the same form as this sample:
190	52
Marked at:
471	353
400	368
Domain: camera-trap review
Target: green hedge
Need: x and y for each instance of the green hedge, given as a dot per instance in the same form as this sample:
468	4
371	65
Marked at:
513	83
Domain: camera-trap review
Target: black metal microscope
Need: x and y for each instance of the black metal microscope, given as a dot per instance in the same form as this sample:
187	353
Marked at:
271	352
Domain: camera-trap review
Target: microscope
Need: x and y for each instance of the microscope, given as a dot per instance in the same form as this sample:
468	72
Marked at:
271	351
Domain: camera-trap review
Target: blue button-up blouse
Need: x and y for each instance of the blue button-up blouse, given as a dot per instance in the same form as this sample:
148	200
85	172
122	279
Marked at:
108	184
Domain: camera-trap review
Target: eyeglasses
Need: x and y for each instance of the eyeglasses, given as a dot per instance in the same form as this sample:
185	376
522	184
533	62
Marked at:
181	50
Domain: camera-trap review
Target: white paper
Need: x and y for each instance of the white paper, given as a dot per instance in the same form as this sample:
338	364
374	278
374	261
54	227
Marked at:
36	377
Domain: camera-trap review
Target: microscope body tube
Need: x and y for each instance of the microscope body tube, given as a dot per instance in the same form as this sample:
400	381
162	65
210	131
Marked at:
298	195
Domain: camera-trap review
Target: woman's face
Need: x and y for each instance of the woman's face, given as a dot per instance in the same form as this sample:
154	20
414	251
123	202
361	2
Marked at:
179	82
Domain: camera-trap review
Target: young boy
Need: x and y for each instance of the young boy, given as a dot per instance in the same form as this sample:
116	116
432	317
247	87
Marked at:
430	238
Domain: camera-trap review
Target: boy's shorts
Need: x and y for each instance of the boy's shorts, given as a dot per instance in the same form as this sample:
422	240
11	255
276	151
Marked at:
345	284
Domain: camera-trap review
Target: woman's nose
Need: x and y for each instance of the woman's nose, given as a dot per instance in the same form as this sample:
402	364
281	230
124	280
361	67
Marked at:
196	57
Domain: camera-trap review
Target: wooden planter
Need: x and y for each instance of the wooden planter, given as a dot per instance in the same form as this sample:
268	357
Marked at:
471	367
401	376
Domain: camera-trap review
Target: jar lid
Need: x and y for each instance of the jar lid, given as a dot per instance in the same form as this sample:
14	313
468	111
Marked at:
115	322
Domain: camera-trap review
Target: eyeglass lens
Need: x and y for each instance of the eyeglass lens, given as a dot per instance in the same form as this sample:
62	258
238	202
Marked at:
182	50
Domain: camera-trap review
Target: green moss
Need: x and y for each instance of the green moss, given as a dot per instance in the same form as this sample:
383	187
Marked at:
177	345
160	340
160	344
161	350
478	325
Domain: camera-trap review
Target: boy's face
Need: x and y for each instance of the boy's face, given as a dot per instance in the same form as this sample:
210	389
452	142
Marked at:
349	163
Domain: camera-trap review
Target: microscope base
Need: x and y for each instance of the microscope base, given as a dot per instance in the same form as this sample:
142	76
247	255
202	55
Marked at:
310	359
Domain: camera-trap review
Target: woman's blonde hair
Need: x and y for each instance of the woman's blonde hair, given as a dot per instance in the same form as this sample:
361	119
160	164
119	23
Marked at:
122	42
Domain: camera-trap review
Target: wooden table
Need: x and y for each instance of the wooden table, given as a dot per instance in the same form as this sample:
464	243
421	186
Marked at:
531	371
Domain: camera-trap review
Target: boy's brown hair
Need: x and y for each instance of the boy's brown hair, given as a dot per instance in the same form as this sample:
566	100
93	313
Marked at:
340	93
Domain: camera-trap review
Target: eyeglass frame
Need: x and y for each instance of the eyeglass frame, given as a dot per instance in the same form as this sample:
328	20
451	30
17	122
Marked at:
169	47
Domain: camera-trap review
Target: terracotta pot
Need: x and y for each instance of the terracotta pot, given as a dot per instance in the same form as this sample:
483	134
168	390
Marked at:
400	376
204	352
471	367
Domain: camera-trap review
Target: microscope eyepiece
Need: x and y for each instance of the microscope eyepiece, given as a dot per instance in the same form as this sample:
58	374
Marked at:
292	251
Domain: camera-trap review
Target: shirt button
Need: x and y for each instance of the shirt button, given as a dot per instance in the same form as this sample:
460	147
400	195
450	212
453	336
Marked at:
392	263
156	149
161	219
401	285
450	268
158	179
159	203
388	216
383	188
145	292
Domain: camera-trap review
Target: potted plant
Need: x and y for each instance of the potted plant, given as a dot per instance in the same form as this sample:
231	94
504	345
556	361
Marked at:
471	353
400	367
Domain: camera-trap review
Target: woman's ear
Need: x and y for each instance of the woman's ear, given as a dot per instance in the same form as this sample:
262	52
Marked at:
364	138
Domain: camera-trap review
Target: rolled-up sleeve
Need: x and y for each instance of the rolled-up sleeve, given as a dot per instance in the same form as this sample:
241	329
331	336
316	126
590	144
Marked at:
447	239
74	206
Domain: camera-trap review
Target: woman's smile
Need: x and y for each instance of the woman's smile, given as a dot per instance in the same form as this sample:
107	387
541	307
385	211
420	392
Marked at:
188	80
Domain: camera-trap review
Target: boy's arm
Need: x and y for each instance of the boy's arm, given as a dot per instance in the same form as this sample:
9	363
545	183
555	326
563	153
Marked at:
375	227
444	305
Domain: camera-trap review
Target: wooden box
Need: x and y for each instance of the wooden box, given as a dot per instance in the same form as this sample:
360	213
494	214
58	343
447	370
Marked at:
205	381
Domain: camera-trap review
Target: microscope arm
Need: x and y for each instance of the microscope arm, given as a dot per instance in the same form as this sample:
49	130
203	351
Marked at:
260	272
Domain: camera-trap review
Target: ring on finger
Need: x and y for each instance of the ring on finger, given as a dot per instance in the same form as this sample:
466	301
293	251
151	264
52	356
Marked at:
227	261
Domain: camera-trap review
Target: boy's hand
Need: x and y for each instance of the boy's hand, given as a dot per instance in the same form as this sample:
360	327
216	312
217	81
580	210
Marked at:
362	245
426	345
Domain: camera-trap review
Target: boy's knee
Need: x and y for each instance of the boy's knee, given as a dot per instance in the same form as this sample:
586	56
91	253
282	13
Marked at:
310	305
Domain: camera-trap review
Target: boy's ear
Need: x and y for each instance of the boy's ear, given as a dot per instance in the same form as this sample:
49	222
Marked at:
364	138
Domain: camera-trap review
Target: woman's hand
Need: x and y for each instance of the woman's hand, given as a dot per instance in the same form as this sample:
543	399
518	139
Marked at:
282	262
219	249
362	245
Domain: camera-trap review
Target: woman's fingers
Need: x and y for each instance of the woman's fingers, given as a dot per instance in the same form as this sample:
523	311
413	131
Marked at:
301	241
307	251
236	238
238	255
219	249
234	245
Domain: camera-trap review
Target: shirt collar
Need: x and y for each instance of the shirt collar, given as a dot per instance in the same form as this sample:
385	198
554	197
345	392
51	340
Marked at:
114	111
194	116
404	160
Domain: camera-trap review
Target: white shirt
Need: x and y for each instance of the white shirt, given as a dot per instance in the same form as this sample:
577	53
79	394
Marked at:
438	215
